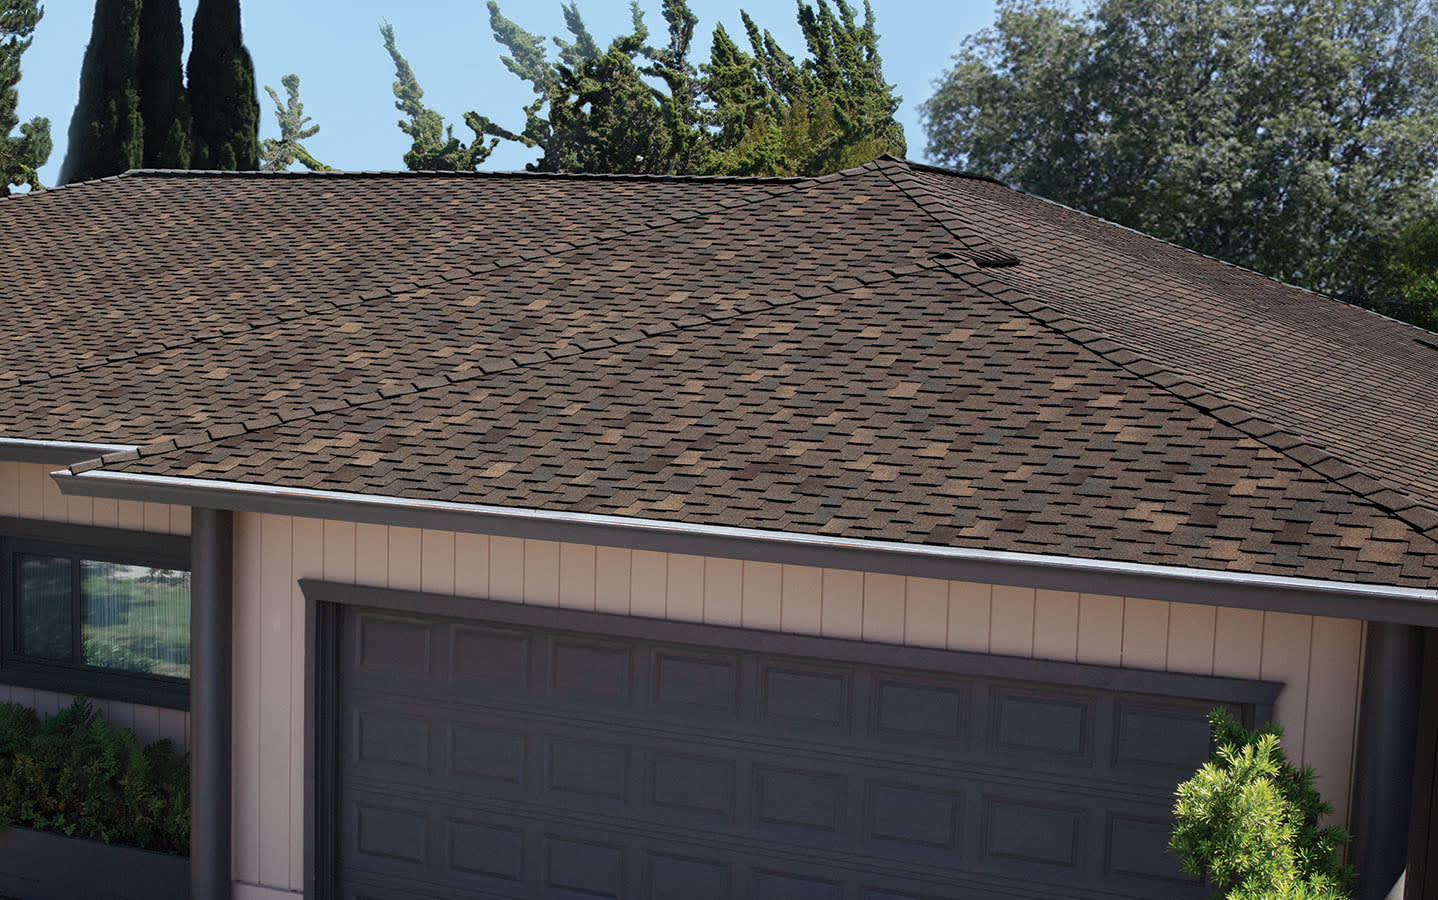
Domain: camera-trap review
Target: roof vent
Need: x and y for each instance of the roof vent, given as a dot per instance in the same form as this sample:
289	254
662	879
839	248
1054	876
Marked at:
1429	342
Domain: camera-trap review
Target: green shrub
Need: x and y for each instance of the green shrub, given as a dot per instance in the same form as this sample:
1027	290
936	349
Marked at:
76	774
1248	822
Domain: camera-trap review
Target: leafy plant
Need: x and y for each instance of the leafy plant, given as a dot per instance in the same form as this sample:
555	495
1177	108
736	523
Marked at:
1248	822
1292	138
76	774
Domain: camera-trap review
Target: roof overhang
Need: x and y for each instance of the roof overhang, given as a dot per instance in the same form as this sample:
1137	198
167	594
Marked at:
1417	606
54	452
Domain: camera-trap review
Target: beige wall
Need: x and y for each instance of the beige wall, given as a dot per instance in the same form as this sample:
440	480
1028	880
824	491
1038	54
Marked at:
1318	659
27	491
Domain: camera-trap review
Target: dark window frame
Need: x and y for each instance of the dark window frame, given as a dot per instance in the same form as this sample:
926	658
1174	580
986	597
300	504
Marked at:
93	543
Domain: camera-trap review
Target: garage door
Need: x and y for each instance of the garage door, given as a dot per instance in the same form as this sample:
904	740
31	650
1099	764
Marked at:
506	759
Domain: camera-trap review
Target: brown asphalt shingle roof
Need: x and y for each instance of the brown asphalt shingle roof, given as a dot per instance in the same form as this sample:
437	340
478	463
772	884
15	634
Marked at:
896	353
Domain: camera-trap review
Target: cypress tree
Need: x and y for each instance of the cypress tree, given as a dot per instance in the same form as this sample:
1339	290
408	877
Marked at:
224	108
163	107
19	156
106	132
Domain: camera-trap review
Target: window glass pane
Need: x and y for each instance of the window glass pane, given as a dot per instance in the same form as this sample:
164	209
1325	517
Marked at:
136	618
42	584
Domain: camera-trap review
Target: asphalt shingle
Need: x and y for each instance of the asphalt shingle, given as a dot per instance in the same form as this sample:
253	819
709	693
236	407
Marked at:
899	354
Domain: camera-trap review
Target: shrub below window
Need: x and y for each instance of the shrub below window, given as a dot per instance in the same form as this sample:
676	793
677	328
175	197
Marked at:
76	774
1248	822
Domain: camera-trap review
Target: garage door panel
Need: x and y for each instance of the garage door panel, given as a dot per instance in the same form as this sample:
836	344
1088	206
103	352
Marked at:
394	646
1137	852
912	712
767	885
517	762
497	659
590	673
386	739
1052	728
695	686
675	877
914	818
1161	738
489	851
1032	830
795	697
489	753
589	772
692	789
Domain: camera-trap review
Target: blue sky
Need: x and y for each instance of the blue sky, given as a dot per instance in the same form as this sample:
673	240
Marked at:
334	46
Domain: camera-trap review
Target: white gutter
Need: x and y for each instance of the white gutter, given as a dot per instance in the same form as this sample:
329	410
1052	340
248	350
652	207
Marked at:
59	452
1414	605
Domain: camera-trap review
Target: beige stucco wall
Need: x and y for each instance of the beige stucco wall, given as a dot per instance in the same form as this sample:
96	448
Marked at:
27	491
1317	659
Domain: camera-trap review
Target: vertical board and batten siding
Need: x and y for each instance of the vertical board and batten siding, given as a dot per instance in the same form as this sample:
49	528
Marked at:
1318	659
28	492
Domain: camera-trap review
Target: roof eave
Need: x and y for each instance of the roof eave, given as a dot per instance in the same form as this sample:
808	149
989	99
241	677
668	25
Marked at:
64	453
1416	606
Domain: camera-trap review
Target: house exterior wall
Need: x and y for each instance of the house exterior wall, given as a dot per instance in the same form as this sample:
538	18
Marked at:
28	492
1318	659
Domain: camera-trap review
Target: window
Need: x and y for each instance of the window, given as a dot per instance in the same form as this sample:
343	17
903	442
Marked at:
97	612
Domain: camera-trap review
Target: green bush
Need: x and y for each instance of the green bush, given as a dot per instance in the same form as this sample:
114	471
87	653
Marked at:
76	774
1248	822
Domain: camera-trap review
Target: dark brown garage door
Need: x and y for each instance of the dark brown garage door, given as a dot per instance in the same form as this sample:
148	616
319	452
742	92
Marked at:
485	759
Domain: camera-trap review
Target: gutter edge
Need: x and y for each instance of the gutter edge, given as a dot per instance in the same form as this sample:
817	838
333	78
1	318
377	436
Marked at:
1212	587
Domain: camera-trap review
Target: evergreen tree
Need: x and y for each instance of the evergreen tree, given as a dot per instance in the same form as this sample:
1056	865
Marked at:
433	144
633	107
279	155
107	134
21	156
163	106
778	116
223	104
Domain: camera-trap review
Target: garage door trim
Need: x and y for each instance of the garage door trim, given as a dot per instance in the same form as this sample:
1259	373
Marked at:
324	600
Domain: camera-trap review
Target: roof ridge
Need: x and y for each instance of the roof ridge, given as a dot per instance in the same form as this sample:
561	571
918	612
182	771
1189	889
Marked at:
449	276
984	252
41	192
463	173
437	173
1419	517
840	286
943	170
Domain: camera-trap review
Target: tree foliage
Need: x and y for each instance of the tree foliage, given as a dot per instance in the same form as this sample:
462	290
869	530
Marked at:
1293	138
433	144
133	111
1248	822
279	155
223	103
107	134
164	107
633	106
21	156
1413	274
